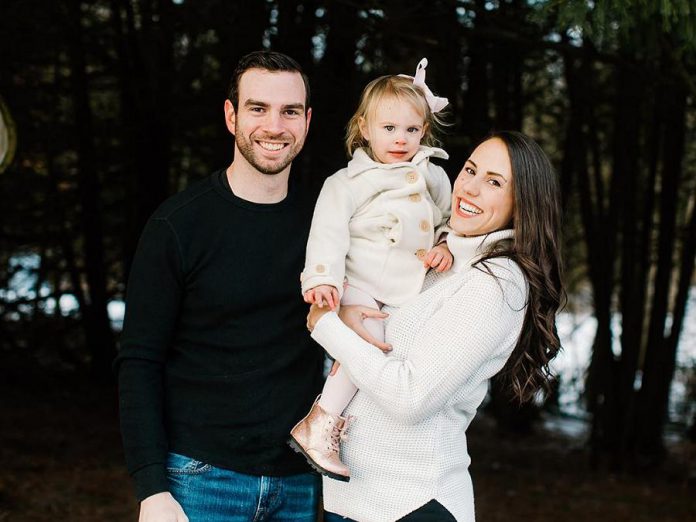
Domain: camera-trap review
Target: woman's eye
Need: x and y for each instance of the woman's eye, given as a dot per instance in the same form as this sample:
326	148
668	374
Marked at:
494	182
469	170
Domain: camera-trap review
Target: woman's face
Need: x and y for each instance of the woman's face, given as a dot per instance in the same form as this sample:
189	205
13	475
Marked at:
482	199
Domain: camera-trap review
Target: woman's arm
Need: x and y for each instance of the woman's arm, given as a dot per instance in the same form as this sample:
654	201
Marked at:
469	337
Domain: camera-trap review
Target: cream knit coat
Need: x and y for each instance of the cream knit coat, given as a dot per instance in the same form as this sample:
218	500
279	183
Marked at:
374	222
407	444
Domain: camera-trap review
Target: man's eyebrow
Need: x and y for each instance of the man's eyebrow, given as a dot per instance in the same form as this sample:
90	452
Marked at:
258	103
490	172
299	106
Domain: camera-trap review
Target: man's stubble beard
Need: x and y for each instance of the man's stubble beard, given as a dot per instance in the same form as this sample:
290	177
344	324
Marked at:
246	148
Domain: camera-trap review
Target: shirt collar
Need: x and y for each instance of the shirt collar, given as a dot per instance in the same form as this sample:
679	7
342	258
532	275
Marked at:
465	250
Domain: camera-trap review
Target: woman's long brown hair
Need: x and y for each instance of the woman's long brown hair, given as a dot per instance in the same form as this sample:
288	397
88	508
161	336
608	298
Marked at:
535	247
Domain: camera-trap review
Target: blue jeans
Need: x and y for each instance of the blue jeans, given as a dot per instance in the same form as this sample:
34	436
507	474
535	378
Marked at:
210	494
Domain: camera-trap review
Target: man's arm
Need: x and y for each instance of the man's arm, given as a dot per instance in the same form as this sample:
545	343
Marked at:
155	289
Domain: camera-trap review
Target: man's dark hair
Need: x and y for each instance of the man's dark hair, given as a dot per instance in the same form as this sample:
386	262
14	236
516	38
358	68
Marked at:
268	61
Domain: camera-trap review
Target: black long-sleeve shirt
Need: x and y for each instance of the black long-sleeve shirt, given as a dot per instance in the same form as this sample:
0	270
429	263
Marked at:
215	361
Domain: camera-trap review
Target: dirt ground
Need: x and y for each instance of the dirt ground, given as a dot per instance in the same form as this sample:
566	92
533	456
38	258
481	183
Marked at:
62	461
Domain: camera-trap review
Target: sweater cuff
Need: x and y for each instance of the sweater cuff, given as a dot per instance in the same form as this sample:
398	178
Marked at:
150	480
328	331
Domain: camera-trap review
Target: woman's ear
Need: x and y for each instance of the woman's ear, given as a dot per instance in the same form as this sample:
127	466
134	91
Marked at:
364	130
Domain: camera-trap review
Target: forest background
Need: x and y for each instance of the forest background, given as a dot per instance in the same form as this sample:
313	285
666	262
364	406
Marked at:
109	106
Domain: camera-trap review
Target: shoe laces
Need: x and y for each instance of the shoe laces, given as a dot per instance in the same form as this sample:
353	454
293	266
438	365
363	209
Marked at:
338	435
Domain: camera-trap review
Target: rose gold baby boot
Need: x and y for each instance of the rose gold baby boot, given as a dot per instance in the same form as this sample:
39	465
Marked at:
318	437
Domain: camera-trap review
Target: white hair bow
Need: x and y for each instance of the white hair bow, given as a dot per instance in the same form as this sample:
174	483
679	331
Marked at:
436	103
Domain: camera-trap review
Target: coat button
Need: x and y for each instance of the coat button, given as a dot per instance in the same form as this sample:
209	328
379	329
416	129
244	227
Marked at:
424	225
414	197
412	177
320	269
420	253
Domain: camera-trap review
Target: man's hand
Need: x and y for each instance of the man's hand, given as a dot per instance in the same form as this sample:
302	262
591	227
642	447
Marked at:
161	507
439	257
354	315
322	294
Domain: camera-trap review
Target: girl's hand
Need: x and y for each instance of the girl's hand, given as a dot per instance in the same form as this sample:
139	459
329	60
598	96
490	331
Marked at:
439	257
354	315
322	294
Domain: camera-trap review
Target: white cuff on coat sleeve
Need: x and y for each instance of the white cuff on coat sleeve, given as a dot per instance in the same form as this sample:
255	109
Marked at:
320	274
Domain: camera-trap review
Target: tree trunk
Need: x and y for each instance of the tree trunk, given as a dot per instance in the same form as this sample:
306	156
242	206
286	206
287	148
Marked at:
506	71
660	357
335	80
145	76
296	27
95	318
601	377
476	98
626	151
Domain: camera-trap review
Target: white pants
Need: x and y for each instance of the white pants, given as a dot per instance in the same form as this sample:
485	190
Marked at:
338	389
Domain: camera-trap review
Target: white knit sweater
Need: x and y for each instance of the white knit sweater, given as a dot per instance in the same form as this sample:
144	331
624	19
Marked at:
407	444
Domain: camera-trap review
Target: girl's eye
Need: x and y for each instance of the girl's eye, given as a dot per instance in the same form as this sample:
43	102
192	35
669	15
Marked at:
389	128
413	129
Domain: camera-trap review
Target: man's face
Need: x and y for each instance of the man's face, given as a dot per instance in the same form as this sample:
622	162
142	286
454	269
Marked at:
271	121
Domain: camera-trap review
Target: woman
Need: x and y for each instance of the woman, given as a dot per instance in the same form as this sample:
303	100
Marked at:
495	310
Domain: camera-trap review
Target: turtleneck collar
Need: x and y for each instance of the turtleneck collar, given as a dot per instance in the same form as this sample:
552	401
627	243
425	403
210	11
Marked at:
466	249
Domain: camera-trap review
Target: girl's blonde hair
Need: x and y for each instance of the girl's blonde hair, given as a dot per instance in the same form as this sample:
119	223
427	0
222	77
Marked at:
402	89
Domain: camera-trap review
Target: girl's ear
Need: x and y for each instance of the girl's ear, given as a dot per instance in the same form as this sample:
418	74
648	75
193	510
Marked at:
364	130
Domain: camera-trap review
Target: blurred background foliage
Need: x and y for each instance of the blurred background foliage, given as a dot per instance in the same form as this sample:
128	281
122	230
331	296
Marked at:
117	104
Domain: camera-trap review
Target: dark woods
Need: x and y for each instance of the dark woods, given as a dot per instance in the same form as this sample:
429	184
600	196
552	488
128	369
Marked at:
118	103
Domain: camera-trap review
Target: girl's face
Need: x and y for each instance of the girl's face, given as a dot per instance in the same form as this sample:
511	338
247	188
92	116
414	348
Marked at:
482	198
394	130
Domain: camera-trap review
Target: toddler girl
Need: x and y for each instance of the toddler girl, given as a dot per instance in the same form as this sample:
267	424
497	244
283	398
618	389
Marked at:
379	224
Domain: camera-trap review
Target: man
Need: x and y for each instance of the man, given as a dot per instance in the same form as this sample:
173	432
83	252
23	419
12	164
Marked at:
215	364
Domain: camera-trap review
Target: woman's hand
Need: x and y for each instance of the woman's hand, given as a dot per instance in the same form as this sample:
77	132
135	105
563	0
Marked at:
316	312
354	315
